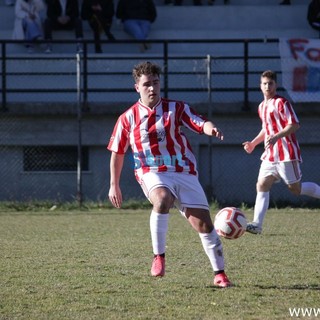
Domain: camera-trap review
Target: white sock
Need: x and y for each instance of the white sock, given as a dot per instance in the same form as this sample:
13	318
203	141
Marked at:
310	189
260	208
213	247
158	228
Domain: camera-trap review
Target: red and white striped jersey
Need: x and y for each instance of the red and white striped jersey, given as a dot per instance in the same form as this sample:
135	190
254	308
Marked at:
155	137
275	115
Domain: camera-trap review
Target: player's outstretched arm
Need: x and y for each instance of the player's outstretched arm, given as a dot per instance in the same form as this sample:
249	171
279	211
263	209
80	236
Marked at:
116	164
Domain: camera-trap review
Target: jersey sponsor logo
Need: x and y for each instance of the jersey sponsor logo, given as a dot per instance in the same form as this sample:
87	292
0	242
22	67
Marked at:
147	159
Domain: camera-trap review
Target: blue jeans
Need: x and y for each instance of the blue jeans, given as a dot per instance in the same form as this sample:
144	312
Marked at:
32	30
139	29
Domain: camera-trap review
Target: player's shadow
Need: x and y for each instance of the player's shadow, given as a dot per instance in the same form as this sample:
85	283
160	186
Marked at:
276	234
294	287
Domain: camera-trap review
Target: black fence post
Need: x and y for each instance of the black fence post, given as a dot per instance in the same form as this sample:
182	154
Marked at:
246	106
4	78
79	118
165	68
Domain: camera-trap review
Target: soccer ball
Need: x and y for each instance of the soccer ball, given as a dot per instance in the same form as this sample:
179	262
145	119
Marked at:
230	223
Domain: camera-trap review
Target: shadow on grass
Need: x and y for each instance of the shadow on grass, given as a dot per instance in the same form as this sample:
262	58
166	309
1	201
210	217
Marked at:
294	287
273	287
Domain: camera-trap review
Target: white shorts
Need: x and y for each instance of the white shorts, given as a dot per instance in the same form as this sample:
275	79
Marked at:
289	171
186	188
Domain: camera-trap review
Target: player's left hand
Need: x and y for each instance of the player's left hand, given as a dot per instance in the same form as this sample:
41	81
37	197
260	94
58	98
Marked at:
216	132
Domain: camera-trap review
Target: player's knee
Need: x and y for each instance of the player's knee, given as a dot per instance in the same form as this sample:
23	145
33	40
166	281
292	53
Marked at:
260	187
265	184
295	189
162	201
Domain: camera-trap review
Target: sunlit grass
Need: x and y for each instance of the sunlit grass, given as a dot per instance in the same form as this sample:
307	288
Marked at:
95	264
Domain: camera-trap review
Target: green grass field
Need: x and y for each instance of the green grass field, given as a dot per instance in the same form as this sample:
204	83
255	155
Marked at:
95	264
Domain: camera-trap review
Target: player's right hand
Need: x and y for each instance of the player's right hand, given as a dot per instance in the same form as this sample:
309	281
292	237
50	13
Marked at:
115	196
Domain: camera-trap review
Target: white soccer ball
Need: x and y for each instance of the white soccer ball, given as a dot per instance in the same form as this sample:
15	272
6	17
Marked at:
230	223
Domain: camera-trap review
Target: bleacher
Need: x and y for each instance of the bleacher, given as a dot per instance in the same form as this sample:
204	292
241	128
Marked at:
240	19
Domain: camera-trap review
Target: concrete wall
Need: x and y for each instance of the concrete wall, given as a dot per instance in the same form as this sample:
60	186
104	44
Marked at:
232	172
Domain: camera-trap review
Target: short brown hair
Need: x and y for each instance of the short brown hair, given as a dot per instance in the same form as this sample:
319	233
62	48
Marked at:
269	74
145	68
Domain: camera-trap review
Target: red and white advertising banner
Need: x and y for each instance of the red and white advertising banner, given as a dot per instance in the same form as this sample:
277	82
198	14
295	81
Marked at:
300	64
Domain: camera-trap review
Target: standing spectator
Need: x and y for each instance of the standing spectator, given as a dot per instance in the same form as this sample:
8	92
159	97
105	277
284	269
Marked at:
137	16
314	14
62	15
165	166
27	23
99	14
282	155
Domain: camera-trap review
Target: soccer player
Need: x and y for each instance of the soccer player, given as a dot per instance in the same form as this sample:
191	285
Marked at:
281	157
165	166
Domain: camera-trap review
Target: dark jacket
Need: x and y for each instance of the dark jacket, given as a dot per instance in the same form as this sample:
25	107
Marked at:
54	9
107	7
314	14
136	9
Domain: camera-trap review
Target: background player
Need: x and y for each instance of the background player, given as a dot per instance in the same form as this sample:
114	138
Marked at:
165	166
281	157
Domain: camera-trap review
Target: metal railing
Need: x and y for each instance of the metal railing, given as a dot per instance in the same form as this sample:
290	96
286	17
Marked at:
239	64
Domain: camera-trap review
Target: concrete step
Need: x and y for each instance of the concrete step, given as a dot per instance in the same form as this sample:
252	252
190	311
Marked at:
237	2
215	23
231	17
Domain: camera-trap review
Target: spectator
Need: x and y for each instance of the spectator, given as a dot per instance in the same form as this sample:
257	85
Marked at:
137	16
27	23
99	14
285	2
62	15
314	14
